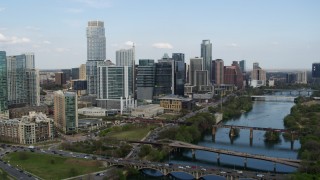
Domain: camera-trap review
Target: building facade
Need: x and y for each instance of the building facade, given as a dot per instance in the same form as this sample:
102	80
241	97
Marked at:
206	54
115	86
196	64
164	77
179	73
75	73
258	76
23	81
218	72
65	111
3	85
315	71
30	129
145	79
96	52
174	103
82	72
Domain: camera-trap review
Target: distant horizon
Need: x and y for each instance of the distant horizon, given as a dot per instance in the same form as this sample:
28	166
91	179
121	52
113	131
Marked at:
277	34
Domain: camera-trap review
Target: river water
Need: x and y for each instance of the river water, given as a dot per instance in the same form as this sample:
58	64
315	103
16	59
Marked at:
263	114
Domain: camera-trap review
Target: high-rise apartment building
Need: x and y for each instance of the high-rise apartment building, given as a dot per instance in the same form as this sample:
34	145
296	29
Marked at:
96	52
196	64
66	111
145	79
114	87
3	85
23	81
258	76
206	54
126	57
82	72
302	77
201	78
75	73
179	73
218	72
242	64
233	75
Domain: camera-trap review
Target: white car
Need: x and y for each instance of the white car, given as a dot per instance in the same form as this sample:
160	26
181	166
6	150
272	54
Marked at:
260	175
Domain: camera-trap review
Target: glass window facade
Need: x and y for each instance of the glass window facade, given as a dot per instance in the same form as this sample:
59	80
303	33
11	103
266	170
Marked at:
3	83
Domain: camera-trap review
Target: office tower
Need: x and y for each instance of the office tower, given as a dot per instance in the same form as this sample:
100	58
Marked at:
258	76
23	81
291	78
66	111
206	54
3	85
201	78
218	72
242	64
179	73
96	52
114	87
233	75
75	73
82	72
196	64
302	77
145	79
164	77
67	73
315	70
126	57
60	78
33	87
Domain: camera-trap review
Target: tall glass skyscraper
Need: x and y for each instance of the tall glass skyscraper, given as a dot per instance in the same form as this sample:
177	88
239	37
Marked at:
23	81
145	79
179	73
96	52
3	83
206	54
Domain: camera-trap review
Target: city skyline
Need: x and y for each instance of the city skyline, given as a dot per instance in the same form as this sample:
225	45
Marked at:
278	35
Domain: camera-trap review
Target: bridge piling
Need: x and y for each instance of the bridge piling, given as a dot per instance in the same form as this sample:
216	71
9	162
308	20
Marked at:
231	132
251	136
245	163
218	158
214	130
274	167
193	154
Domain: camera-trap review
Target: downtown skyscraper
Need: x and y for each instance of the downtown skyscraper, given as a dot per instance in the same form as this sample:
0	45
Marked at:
96	52
3	85
206	54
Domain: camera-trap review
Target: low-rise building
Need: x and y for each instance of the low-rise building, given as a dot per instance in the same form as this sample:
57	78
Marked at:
24	111
174	103
147	111
92	111
36	127
91	124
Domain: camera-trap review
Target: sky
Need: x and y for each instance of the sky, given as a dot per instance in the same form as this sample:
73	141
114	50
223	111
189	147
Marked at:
279	34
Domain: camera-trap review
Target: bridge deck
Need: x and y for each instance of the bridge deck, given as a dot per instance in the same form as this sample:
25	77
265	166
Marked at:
254	128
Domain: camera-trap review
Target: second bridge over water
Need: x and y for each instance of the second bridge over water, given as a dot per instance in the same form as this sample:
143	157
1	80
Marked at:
251	129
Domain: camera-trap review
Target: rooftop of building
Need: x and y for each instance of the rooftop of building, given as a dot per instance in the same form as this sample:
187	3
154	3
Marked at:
147	106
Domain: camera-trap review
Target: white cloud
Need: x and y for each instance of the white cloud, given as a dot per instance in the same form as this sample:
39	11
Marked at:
2	9
13	39
46	42
233	45
32	28
61	50
74	10
162	45
129	43
99	4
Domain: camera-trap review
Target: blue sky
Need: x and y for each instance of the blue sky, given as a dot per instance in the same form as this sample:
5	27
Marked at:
279	34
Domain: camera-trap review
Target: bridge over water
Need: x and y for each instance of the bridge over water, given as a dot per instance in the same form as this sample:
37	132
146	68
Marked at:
195	171
179	144
274	98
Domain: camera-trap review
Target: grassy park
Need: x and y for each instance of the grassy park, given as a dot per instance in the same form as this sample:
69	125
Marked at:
52	166
132	134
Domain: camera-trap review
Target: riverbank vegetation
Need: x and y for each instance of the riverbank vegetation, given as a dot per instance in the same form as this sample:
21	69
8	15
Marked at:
305	119
150	153
233	107
272	137
200	123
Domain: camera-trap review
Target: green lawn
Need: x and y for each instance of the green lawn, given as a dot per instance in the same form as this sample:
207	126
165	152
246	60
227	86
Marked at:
134	134
52	166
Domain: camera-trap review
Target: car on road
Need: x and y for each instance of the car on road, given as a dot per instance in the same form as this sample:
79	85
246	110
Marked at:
260	175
